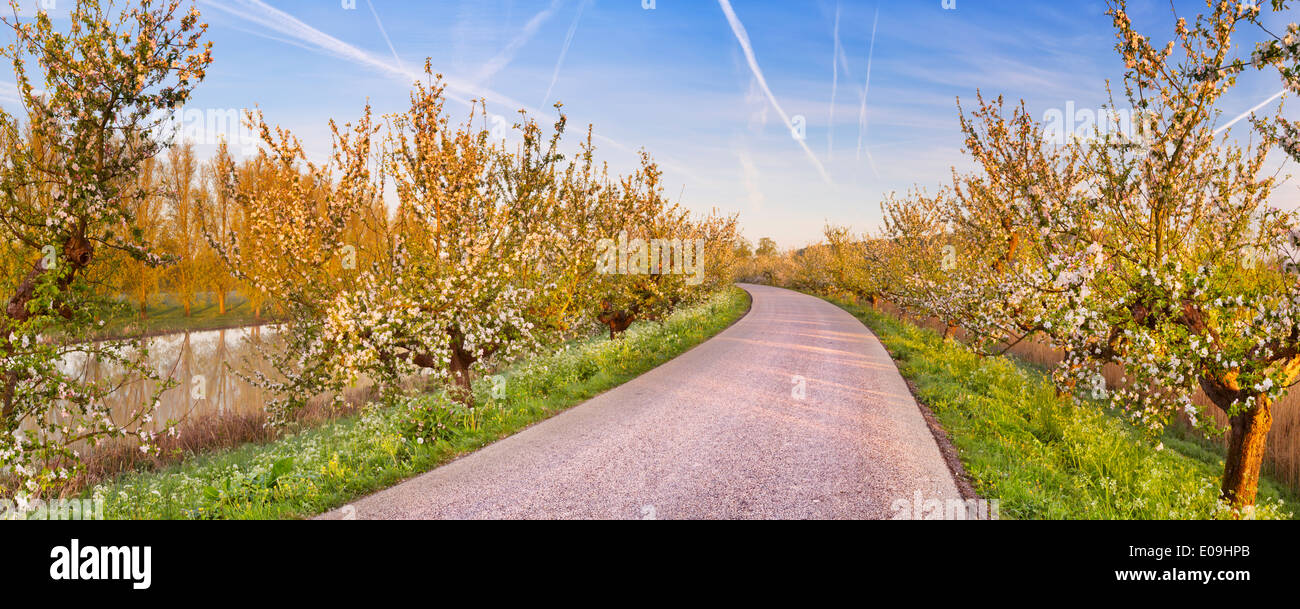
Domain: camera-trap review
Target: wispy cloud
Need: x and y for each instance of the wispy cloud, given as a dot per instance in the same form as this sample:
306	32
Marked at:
866	88
506	55
568	40
9	92
757	102
274	19
750	176
271	18
742	37
835	84
384	32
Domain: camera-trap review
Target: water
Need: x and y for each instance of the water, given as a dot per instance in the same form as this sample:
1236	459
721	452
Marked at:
202	364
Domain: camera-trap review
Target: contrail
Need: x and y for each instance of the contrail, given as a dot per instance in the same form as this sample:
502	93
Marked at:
743	38
844	63
276	20
835	83
1249	112
866	88
385	35
507	54
568	40
871	161
279	21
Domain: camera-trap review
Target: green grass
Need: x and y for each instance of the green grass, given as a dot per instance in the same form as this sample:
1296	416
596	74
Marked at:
166	315
1043	456
325	467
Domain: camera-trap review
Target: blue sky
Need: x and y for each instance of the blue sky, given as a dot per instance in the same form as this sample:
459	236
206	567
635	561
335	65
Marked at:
676	80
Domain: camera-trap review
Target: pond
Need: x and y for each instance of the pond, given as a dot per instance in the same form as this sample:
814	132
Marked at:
203	366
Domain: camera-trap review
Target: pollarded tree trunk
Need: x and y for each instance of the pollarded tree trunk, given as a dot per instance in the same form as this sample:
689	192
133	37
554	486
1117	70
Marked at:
460	365
1247	438
461	361
618	320
1065	391
460	382
8	388
950	332
77	254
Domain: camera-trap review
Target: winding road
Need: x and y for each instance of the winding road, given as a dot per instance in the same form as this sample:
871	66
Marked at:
722	431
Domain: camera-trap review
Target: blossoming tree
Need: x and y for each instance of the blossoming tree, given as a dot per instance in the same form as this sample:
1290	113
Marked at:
1161	256
1154	248
462	284
291	242
68	195
1177	292
648	254
1280	50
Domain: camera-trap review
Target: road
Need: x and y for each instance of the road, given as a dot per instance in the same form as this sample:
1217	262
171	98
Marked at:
719	432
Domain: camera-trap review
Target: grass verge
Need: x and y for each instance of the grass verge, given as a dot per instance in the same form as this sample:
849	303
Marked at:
166	316
324	467
1043	456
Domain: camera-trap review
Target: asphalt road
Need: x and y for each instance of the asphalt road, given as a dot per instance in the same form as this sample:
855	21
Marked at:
719	432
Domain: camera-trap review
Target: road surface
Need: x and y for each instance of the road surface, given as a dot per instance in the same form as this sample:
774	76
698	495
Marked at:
722	431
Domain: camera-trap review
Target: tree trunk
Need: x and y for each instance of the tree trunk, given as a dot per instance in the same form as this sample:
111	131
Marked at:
460	382
7	392
950	332
1065	392
618	321
1246	441
875	302
461	390
77	254
221	303
144	309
